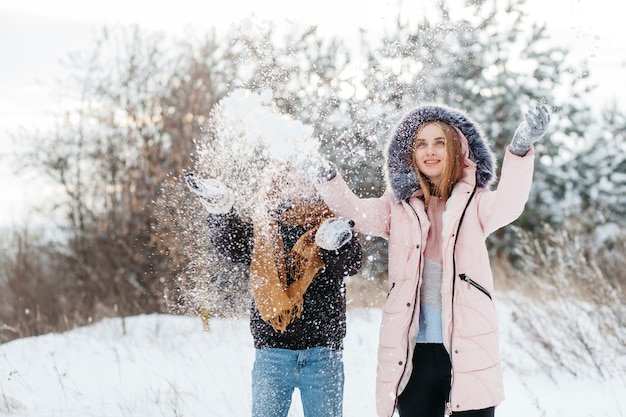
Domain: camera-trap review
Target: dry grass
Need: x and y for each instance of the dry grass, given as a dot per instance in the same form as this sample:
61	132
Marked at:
364	292
567	301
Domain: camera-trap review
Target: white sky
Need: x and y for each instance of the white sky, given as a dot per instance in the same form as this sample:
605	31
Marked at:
36	35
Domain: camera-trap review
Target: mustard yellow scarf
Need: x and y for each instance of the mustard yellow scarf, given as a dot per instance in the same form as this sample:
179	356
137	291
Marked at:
278	303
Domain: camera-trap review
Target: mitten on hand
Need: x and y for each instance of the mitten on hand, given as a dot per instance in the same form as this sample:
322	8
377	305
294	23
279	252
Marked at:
532	129
334	233
317	169
215	196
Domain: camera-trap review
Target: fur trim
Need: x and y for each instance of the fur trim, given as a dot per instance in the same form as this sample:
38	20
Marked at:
400	176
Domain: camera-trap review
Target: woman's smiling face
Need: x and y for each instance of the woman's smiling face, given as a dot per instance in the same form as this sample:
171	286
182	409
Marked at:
430	153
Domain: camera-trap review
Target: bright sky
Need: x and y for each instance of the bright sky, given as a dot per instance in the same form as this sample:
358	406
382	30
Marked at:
35	35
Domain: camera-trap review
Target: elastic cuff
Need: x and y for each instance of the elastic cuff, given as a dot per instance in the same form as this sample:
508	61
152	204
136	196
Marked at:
518	152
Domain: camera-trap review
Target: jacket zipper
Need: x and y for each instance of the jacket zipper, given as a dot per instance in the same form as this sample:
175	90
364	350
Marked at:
475	285
407	358
456	237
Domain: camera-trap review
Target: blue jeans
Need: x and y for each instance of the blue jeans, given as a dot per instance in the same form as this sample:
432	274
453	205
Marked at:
317	372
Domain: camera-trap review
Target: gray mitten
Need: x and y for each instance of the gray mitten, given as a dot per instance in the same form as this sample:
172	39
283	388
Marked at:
317	169
334	233
532	129
215	196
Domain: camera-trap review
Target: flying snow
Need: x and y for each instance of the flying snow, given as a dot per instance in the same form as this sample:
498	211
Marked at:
283	137
246	145
247	139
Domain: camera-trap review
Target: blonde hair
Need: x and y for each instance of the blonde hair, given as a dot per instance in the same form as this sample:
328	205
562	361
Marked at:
451	171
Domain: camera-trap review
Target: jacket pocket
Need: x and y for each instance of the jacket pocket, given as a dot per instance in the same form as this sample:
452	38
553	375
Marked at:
474	284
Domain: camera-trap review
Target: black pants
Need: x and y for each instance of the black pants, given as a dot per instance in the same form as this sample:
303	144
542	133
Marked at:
428	389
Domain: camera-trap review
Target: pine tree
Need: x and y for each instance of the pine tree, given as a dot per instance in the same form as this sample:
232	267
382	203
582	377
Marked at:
485	59
597	172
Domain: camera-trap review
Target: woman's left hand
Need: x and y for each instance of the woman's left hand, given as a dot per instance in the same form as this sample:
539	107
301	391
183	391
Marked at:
532	129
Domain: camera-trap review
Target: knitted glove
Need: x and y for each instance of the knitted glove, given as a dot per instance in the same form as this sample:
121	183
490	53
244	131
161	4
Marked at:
334	233
532	129
317	169
214	196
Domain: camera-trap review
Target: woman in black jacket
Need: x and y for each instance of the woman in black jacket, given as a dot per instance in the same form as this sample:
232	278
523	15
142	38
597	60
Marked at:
299	255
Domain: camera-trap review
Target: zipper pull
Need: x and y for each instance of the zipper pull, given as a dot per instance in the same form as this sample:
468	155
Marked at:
448	409
464	278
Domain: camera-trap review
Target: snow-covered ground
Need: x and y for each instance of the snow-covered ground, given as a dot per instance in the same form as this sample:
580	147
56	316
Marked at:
169	365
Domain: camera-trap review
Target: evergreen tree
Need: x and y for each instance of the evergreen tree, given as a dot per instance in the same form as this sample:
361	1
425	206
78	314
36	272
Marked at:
597	172
481	57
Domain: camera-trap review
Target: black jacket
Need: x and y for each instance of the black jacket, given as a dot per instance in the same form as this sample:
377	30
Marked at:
323	321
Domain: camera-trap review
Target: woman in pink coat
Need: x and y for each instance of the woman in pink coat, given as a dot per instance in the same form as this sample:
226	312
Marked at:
438	347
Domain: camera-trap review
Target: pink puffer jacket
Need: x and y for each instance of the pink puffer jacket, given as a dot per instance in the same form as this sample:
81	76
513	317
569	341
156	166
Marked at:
470	323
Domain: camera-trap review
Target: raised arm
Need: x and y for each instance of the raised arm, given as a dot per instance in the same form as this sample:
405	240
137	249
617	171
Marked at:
370	215
506	203
231	237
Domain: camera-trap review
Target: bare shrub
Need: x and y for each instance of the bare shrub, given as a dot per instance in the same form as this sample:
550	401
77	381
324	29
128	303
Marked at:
203	284
139	104
567	310
39	292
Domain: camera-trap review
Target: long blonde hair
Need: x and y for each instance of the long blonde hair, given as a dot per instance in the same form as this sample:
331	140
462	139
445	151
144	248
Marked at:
451	171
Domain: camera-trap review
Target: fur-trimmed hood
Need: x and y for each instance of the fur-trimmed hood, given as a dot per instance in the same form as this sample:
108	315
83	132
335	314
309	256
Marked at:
401	178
